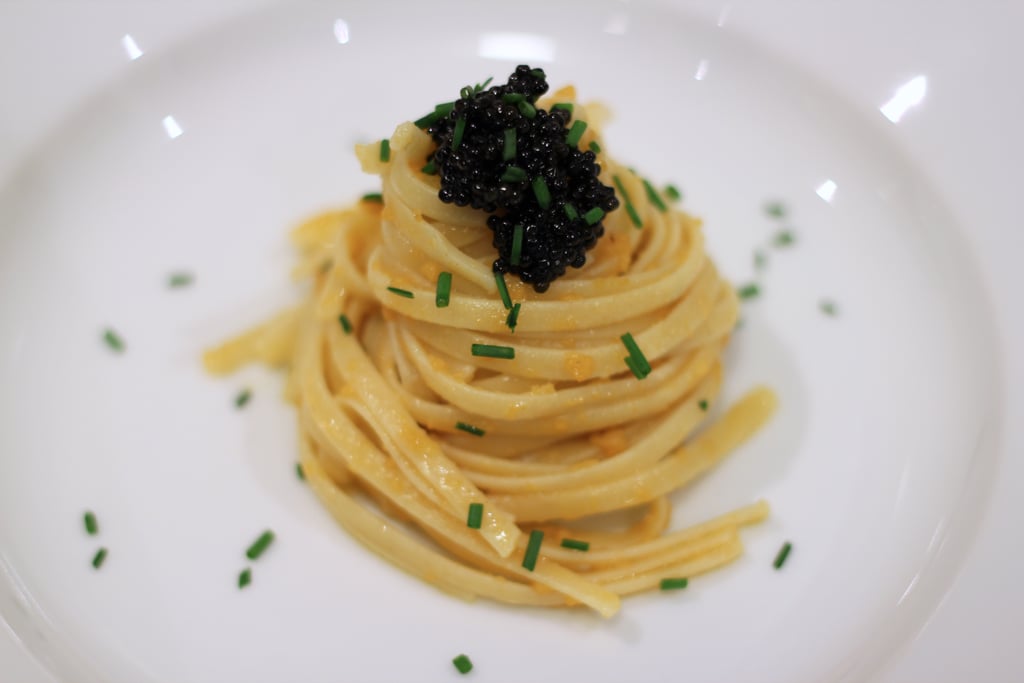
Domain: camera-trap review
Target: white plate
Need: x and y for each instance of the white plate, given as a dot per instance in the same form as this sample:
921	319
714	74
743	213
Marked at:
203	156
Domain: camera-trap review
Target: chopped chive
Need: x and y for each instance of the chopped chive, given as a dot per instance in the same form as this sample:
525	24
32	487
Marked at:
244	578
673	193
749	291
567	106
828	307
533	549
475	517
479	87
780	559
541	191
466	92
527	109
703	404
440	111
784	238
92	527
636	353
594	215
300	472
178	280
373	197
594	147
430	168
652	195
346	324
444	290
630	209
513	174
113	340
385	150
98	558
499	279
575	133
492	351
243	397
460	130
517	240
634	367
463	664
512	98
571	211
674	584
573	544
475	431
401	292
775	209
513	317
537	73
260	545
509	151
760	259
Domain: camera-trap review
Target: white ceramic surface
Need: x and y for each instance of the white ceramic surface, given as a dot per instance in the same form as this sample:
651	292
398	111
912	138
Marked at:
881	465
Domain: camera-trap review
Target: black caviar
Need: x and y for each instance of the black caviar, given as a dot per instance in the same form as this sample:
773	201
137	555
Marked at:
498	152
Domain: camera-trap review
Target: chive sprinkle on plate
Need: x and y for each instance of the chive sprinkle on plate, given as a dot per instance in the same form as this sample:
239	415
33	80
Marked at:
113	340
673	584
99	558
260	545
463	664
244	578
749	291
179	280
243	397
780	558
92	527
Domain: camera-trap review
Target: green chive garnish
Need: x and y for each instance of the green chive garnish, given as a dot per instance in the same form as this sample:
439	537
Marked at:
463	664
460	130
466	92
440	111
703	404
92	527
517	240
513	174
513	318
594	147
527	109
476	515
300	472
178	280
98	558
571	211
573	544
780	559
652	195
385	150
540	190
479	87
113	340
260	545
760	259
749	291
430	168
575	133
567	106
244	578
512	98
533	549
635	353
674	584
630	209
499	279
401	292
537	73
673	193
346	324
509	152
373	197
492	351
775	209
475	431
444	290
784	238
242	398
828	308
634	367
594	215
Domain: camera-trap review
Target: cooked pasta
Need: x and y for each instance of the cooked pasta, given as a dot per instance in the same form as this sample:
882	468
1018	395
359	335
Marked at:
403	427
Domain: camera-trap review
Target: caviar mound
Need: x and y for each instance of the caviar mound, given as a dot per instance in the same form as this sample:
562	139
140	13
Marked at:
500	153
